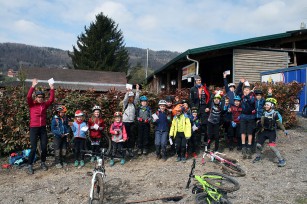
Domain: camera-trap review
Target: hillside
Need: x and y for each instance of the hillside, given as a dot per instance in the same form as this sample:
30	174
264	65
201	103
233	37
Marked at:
14	55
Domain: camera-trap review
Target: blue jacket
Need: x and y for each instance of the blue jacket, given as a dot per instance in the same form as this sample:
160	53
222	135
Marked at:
259	108
76	128
229	93
59	126
162	124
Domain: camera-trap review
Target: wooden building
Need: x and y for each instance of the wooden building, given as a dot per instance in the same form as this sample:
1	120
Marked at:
244	58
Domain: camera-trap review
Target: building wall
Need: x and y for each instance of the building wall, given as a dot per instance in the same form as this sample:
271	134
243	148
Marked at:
249	64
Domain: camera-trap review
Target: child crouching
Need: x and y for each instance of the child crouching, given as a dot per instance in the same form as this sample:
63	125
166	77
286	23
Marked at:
119	136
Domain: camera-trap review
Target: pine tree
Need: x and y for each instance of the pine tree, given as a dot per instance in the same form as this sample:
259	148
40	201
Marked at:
101	47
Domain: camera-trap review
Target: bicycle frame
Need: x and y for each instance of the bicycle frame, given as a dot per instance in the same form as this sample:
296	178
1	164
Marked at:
212	192
214	156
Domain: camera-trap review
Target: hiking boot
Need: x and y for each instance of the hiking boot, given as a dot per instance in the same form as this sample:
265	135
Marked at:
183	159
92	159
30	169
145	151
58	166
111	162
140	152
249	153
194	155
281	163
244	153
76	164
122	161
44	166
257	159
82	163
178	159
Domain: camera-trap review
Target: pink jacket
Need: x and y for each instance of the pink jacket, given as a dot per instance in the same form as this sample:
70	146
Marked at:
118	132
38	111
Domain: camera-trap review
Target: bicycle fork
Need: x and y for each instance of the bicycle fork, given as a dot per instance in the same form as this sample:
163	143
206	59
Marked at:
93	182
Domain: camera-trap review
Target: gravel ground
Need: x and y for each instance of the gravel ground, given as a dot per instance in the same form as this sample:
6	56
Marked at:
145	178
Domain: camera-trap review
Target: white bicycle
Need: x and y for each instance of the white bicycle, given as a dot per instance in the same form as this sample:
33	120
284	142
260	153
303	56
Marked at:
98	175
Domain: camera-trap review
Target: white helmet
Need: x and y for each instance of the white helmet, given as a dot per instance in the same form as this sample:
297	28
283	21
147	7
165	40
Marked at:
231	84
130	93
96	108
162	102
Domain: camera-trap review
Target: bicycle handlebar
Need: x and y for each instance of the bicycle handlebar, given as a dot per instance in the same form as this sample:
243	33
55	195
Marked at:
191	174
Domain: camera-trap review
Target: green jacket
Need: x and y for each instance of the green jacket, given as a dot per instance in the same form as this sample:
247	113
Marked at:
181	124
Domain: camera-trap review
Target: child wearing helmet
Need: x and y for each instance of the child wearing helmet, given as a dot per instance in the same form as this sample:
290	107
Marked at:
130	102
79	129
96	125
143	115
161	123
180	131
269	123
214	120
119	136
234	129
60	130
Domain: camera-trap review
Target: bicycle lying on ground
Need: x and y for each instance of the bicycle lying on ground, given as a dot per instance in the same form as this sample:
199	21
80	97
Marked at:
98	175
212	187
228	164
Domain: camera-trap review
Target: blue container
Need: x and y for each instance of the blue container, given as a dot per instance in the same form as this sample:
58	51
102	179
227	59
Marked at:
288	75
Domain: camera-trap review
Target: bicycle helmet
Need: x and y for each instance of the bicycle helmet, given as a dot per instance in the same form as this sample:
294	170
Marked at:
231	85
194	110
217	96
61	108
143	98
271	100
237	98
258	91
40	93
96	108
118	114
78	113
130	93
162	102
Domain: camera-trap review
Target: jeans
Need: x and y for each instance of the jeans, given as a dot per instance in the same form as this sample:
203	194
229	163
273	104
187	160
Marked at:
38	133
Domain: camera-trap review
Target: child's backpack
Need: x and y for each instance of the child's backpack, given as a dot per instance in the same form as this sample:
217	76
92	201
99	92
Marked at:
14	157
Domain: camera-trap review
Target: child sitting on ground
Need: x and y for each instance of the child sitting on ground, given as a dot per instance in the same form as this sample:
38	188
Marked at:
269	123
181	131
79	128
96	126
119	136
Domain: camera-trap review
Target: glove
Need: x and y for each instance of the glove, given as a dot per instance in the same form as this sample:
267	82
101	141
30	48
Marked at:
233	124
140	119
286	132
146	121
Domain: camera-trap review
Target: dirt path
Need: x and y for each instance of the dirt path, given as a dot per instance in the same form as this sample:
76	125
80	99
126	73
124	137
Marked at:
145	178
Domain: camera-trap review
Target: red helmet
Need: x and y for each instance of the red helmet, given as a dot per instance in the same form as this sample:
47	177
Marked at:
118	114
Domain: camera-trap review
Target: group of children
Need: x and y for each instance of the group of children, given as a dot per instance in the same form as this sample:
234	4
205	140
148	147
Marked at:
239	111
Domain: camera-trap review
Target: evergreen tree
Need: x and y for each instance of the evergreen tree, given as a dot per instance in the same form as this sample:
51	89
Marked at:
101	47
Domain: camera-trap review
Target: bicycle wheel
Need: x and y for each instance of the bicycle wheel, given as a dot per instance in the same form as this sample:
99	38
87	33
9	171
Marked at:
221	181
105	143
234	169
98	190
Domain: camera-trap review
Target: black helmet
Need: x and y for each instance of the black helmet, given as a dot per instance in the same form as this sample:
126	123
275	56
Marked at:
257	91
39	93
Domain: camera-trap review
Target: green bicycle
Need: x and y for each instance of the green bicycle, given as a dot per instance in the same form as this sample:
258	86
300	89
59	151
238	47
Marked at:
212	187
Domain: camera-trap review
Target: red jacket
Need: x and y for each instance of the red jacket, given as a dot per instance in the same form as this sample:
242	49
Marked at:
38	111
93	132
236	112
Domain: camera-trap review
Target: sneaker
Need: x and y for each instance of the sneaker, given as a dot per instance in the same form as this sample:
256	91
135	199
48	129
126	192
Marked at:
183	159
145	151
30	169
44	166
257	159
92	159
122	161
194	155
249	153
82	163
244	153
58	166
178	159
111	162
140	152
76	164
281	163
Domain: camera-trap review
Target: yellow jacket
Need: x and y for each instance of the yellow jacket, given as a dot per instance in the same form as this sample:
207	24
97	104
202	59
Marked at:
181	124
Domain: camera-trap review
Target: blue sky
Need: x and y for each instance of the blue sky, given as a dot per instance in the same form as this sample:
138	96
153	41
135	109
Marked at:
175	25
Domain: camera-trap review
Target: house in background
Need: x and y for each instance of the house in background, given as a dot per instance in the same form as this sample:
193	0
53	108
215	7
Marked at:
100	81
244	58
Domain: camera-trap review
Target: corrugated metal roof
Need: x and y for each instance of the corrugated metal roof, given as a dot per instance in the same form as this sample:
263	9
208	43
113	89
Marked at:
224	46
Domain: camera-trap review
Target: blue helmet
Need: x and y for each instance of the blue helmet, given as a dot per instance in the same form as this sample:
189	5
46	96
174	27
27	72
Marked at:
143	98
238	98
